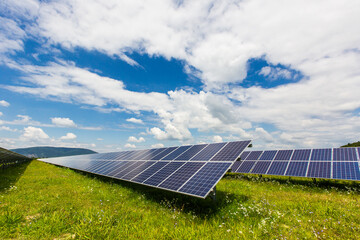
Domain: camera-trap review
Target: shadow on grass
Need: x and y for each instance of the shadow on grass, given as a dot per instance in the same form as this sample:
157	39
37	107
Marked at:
203	208
340	185
10	175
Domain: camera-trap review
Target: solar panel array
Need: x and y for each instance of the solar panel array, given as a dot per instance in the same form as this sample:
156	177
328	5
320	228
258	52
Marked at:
193	170
331	163
9	158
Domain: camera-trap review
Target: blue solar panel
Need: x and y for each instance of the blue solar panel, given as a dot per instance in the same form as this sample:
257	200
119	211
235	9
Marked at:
261	167
346	170
148	172
283	155
163	153
231	151
176	153
191	152
297	169
140	154
205	179
319	170
278	167
128	168
107	166
344	154
235	166
254	155
301	155
137	170
121	168
208	152
246	166
321	154
244	155
93	165
115	166
268	155
176	180
165	172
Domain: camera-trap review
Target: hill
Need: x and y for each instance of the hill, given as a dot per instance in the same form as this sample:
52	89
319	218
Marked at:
42	201
354	144
46	152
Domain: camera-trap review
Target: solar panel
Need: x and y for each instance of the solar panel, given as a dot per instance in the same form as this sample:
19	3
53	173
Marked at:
346	170
235	166
174	169
277	168
205	179
337	163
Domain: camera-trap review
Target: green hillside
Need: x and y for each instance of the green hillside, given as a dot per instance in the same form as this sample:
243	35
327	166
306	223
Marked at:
354	144
42	201
47	152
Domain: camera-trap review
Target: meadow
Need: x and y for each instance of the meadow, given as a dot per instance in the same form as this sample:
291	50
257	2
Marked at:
42	201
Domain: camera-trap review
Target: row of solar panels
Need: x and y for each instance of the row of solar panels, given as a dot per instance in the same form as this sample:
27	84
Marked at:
8	158
225	151
195	178
336	163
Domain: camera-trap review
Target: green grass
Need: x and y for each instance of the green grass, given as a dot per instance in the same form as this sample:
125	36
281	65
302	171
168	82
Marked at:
41	201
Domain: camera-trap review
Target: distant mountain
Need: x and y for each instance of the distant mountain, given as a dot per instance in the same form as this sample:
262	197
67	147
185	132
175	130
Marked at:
46	152
354	144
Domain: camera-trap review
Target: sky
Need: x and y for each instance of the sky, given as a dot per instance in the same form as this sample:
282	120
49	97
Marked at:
117	75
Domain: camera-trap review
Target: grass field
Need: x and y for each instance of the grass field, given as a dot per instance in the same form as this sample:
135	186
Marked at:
41	201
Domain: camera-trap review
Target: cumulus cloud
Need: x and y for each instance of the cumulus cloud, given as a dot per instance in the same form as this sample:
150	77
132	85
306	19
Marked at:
135	120
215	40
34	134
157	145
137	140
129	145
63	122
274	73
6	128
217	138
68	136
4	103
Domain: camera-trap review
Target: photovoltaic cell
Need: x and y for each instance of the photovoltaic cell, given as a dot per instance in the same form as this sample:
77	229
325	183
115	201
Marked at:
321	154
163	153
319	170
246	167
268	155
208	152
205	179
191	152
278	168
297	169
283	155
116	165
254	155
176	180
231	151
119	170
176	153
346	170
301	155
152	153
261	167
148	172
344	154
160	176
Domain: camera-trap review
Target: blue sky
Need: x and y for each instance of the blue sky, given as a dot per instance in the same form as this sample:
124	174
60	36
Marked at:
118	75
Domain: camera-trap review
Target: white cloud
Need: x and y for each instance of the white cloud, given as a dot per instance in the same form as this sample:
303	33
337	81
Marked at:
99	139
34	134
5	128
68	136
63	122
4	103
1	114
157	145
137	140
129	145
217	138
274	73
135	120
